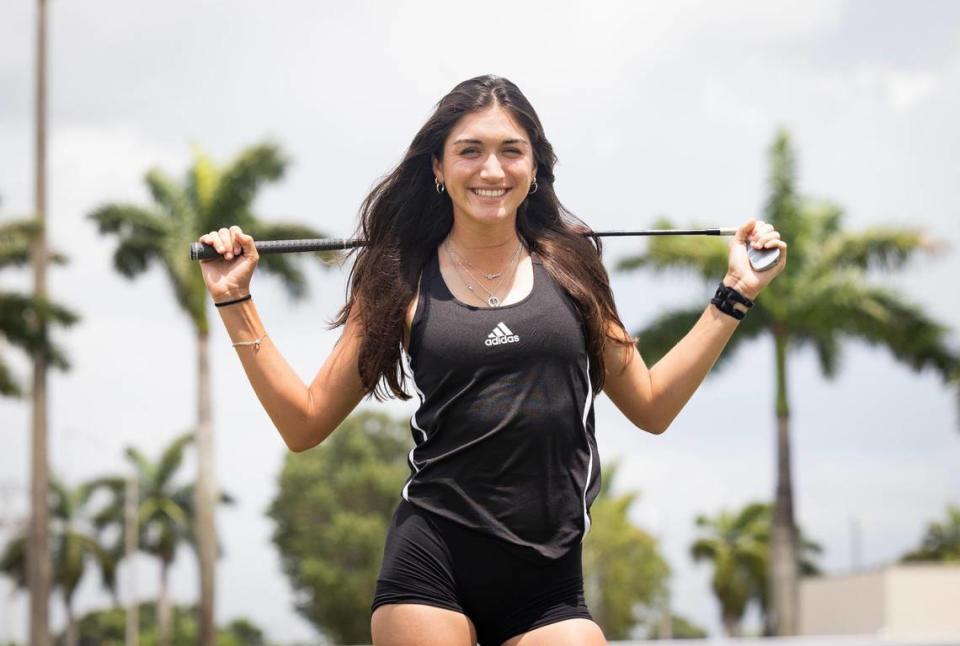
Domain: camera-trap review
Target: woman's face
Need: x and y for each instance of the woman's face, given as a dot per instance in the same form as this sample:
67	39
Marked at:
487	166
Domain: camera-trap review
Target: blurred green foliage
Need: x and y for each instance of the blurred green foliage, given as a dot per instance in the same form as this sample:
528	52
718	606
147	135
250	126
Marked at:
941	542
625	576
107	627
332	511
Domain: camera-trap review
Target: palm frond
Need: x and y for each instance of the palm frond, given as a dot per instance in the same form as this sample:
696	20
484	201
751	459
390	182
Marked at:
134	255
167	195
881	317
879	248
8	384
706	257
172	458
703	549
13	560
125	219
202	180
140	234
19	315
145	468
16	238
241	180
815	222
750	515
827	347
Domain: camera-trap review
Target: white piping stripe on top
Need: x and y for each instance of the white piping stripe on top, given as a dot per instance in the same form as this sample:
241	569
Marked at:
413	422
586	410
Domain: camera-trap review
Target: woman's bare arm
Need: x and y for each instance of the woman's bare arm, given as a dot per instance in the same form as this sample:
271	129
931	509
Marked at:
651	399
304	415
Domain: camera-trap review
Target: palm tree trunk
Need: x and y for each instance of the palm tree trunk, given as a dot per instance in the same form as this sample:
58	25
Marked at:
731	626
71	624
163	607
783	549
39	568
205	495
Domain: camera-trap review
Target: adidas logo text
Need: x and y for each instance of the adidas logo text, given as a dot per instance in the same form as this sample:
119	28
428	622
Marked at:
500	335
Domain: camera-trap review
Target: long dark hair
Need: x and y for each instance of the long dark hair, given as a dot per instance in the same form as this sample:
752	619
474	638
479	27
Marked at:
404	219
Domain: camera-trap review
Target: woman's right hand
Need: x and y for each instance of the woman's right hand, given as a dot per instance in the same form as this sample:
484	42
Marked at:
229	275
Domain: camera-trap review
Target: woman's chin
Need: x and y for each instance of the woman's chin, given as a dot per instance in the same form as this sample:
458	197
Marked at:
496	214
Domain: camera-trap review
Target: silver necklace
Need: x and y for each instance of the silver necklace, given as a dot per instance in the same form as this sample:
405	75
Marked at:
492	299
488	276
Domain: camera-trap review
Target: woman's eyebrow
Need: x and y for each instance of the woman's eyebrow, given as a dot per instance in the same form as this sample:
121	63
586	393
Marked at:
478	142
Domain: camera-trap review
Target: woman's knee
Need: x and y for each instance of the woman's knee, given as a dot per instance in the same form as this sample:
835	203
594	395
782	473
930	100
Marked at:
411	624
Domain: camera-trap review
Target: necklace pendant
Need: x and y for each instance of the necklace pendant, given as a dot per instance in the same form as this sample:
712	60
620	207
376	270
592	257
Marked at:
492	276
493	301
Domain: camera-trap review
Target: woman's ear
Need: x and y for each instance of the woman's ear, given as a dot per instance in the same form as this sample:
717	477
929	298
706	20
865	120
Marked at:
437	168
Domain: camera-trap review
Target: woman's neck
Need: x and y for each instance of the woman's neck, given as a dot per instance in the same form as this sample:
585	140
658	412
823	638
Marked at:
484	243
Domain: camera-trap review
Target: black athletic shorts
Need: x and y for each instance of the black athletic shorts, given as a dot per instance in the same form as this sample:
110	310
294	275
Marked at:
430	560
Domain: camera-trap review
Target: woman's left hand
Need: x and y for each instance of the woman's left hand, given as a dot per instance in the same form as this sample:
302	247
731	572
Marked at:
740	274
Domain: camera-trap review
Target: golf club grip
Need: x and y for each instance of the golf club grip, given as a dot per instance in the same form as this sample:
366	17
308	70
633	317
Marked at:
200	251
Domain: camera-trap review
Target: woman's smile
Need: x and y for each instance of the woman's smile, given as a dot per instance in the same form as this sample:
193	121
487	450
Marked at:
489	193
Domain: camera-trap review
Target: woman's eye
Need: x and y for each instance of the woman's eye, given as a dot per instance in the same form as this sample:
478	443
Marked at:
469	151
513	151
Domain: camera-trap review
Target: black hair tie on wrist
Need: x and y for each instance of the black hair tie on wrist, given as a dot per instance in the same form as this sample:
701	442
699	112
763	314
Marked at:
726	297
238	300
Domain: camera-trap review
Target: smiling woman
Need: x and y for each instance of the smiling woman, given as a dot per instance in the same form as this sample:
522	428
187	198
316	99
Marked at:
502	304
487	168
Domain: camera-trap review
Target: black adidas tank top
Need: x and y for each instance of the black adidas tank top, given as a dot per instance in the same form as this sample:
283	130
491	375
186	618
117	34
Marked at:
504	436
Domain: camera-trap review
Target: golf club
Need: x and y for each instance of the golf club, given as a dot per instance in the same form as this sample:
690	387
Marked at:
760	259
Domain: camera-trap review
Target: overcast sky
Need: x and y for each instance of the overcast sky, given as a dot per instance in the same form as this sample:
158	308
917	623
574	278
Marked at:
654	108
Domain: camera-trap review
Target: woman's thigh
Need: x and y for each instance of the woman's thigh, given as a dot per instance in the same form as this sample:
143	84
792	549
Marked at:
410	624
571	632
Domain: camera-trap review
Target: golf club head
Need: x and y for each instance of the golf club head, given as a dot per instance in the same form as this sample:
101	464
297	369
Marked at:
762	259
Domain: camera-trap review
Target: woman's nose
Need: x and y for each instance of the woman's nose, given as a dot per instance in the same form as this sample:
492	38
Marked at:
491	168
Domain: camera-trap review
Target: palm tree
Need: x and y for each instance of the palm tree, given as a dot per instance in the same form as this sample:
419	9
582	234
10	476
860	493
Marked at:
822	299
738	545
209	198
165	515
19	311
26	322
74	547
941	542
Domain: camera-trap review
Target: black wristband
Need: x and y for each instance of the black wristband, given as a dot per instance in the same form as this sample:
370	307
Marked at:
238	300
725	298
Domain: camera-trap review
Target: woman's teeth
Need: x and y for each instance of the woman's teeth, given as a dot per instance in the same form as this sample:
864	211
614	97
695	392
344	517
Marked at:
482	192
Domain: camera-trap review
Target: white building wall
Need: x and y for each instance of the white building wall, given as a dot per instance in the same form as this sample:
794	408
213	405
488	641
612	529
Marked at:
924	600
916	601
844	605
